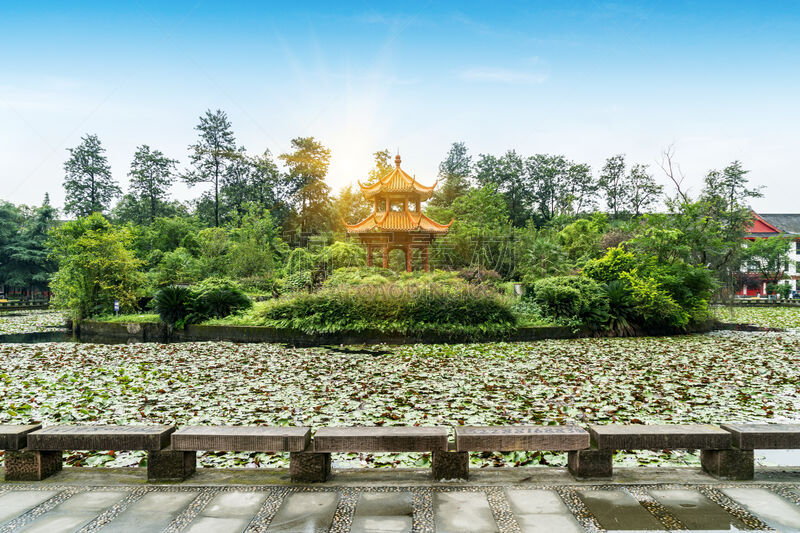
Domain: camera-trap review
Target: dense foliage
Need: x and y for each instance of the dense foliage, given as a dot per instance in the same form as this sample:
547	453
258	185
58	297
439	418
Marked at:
273	225
213	298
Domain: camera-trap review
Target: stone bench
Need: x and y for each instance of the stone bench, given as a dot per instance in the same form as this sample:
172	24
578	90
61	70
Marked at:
764	436
21	465
519	438
294	440
606	439
738	463
42	455
373	440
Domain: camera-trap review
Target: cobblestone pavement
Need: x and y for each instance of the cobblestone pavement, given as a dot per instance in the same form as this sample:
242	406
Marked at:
503	506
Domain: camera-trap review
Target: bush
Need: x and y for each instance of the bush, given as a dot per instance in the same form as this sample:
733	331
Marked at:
654	307
359	276
341	254
177	266
211	298
622	311
263	285
781	289
298	282
174	304
393	309
477	276
221	302
217	282
300	260
571	299
611	266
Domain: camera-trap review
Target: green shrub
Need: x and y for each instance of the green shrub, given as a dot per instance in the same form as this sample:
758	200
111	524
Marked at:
298	282
174	304
622	311
221	302
262	285
781	289
217	282
611	266
654	307
177	266
300	260
477	276
393	309
357	276
341	254
573	299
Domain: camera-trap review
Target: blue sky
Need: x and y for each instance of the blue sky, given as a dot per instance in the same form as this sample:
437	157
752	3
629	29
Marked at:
720	81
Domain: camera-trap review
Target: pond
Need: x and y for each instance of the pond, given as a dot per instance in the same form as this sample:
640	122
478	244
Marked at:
714	378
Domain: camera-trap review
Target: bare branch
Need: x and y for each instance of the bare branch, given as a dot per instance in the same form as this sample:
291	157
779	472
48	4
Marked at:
673	170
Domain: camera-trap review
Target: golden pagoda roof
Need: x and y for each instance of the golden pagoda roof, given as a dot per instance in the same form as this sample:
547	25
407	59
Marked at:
397	221
397	182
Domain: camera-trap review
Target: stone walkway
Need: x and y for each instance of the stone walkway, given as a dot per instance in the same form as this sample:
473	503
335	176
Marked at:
504	502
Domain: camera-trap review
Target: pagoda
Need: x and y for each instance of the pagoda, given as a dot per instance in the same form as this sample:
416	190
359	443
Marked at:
396	221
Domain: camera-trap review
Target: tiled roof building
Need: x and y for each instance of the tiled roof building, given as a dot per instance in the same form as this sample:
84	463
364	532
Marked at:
397	221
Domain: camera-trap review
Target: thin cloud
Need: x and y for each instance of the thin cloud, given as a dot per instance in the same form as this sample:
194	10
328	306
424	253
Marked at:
503	75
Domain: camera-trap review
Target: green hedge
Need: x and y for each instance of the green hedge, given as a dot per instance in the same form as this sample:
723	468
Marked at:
393	308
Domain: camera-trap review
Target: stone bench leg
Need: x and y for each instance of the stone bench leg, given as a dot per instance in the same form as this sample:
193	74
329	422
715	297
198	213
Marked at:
447	465
732	464
309	467
30	465
170	465
590	463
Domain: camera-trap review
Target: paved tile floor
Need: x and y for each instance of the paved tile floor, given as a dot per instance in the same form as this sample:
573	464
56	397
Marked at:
458	508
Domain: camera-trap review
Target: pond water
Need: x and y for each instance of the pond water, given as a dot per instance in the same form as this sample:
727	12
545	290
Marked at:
675	379
37	337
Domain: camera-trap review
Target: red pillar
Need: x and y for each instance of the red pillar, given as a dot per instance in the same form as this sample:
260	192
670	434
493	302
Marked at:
409	264
369	255
425	266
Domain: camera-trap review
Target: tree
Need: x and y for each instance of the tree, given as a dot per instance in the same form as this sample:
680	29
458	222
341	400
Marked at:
508	174
308	166
728	189
455	172
643	189
257	245
88	183
581	188
96	266
25	261
151	176
383	165
612	183
769	257
236	187
268	188
350	206
213	152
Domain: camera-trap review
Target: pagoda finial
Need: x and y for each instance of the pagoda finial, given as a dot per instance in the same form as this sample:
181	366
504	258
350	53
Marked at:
397	160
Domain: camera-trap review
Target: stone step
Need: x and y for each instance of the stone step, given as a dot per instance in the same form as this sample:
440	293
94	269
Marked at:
241	439
659	437
153	437
380	439
764	436
520	438
16	437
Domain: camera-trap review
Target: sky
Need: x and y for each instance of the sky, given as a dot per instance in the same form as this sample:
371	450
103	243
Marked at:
718	81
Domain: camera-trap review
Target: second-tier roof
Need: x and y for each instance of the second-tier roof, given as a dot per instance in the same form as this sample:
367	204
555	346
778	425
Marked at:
397	182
